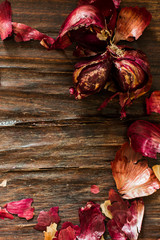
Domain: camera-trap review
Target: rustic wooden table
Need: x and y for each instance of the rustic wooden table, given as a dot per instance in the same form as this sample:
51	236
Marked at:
53	148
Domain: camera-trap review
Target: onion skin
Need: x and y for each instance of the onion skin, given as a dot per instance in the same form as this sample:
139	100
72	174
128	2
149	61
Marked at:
132	174
131	23
86	17
131	73
5	19
127	217
153	103
91	76
91	222
145	138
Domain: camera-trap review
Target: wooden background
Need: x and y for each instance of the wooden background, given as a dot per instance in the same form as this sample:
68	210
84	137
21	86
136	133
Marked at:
52	147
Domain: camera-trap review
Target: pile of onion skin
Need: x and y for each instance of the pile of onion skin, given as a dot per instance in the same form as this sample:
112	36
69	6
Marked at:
96	26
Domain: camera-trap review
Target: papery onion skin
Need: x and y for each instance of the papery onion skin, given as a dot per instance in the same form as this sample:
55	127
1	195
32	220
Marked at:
25	33
132	68
153	103
5	19
86	16
131	72
95	189
127	218
91	76
156	170
68	231
107	8
22	208
144	137
105	211
133	177
21	31
5	214
91	222
131	23
50	232
45	218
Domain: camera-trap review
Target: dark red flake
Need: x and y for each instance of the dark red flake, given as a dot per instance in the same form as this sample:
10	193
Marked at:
145	138
91	222
94	189
5	19
68	232
46	218
25	33
22	208
5	214
127	218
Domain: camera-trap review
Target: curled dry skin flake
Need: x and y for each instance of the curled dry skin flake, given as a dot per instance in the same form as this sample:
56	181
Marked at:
25	33
21	31
91	76
107	8
133	177
83	18
94	189
68	231
153	103
49	234
131	23
105	211
91	222
156	170
22	208
85	24
127	217
144	137
46	218
5	20
5	214
130	73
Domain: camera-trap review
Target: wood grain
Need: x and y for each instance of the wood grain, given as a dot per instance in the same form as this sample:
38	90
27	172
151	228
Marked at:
53	148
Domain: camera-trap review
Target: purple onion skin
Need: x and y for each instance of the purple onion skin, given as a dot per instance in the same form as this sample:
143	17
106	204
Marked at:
91	76
131	69
85	17
145	138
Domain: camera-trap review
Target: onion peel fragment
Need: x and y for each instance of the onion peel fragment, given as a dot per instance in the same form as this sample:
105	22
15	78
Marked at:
83	17
105	211
133	177
156	170
91	222
22	208
94	189
45	218
68	231
153	103
144	137
131	23
127	217
25	33
90	76
5	19
5	214
49	234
